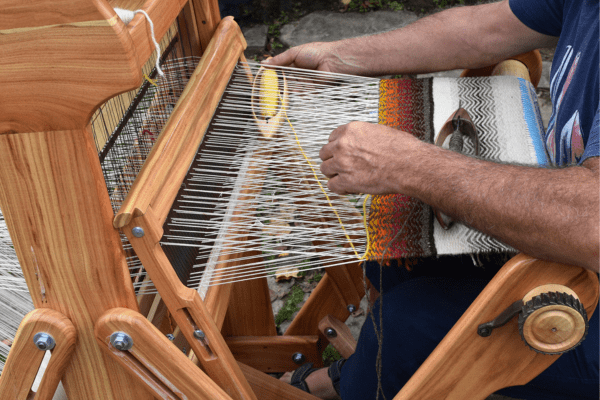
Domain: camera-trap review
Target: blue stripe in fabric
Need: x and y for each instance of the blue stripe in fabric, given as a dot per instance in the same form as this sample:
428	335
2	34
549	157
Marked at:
533	119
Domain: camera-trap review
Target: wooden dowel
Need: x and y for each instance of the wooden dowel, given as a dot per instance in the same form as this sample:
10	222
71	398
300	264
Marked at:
512	67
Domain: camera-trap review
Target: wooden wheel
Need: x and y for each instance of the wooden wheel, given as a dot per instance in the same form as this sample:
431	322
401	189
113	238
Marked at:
553	319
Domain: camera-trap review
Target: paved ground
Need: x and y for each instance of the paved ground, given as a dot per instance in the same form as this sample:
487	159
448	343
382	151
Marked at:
329	26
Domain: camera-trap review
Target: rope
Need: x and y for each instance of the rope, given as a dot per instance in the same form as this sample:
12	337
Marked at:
127	16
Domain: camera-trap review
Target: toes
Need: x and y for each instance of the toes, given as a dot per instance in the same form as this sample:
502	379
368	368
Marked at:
287	377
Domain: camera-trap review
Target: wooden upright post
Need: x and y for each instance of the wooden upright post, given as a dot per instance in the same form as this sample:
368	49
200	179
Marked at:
59	217
60	60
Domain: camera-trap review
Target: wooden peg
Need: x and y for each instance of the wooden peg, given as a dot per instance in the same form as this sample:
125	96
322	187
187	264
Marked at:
338	334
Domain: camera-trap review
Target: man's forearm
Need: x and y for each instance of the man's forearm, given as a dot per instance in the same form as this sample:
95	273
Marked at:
548	213
462	37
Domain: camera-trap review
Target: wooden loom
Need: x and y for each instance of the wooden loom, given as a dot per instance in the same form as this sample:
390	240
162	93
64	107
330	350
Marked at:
61	223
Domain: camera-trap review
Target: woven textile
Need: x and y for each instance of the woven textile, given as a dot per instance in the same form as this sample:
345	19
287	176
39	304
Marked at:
505	112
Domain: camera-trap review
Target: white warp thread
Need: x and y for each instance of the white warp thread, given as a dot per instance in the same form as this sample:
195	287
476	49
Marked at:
126	16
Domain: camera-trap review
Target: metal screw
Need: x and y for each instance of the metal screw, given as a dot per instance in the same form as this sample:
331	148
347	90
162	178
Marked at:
298	358
330	333
121	341
198	334
170	337
351	308
44	341
138	232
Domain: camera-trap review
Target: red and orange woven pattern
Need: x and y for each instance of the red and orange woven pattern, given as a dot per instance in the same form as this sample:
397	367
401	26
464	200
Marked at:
404	104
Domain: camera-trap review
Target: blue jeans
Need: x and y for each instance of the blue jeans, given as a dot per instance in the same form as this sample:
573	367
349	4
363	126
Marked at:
420	307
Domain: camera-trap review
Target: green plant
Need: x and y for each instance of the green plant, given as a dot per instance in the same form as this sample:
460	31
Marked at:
444	3
295	296
395	6
330	355
274	30
316	278
367	5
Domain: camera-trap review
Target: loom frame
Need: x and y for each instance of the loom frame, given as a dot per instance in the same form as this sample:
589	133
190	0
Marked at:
60	220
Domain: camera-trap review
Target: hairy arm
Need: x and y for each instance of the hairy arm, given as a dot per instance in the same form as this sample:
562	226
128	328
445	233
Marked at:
547	213
461	37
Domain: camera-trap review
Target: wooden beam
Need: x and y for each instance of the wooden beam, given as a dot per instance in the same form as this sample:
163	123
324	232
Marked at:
274	353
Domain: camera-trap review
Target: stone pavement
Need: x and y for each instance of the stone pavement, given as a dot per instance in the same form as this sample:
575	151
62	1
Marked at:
330	26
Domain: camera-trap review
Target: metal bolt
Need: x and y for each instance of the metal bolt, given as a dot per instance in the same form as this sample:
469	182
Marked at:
330	333
298	358
138	232
121	341
484	332
198	334
351	308
44	341
170	337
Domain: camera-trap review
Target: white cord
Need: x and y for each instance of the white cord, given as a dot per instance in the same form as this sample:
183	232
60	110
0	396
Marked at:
126	16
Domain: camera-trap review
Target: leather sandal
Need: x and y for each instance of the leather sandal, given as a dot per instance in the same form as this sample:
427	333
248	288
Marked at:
334	372
299	376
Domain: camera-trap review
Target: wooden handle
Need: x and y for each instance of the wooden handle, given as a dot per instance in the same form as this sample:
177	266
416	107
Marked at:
160	178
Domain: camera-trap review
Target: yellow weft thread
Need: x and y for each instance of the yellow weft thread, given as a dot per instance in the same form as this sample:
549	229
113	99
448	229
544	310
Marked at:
269	93
269	100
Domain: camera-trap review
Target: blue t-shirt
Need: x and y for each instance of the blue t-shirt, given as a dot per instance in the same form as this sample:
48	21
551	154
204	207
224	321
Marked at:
573	131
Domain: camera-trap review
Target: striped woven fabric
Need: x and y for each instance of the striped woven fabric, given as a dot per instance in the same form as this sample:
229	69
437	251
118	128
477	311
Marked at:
505	112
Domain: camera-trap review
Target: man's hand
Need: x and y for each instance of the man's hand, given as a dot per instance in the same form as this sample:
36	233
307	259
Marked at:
368	158
316	56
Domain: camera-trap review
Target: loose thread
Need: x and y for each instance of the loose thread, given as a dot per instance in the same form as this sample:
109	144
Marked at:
127	16
153	82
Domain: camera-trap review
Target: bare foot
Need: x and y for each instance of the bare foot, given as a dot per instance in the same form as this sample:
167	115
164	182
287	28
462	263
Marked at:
319	384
